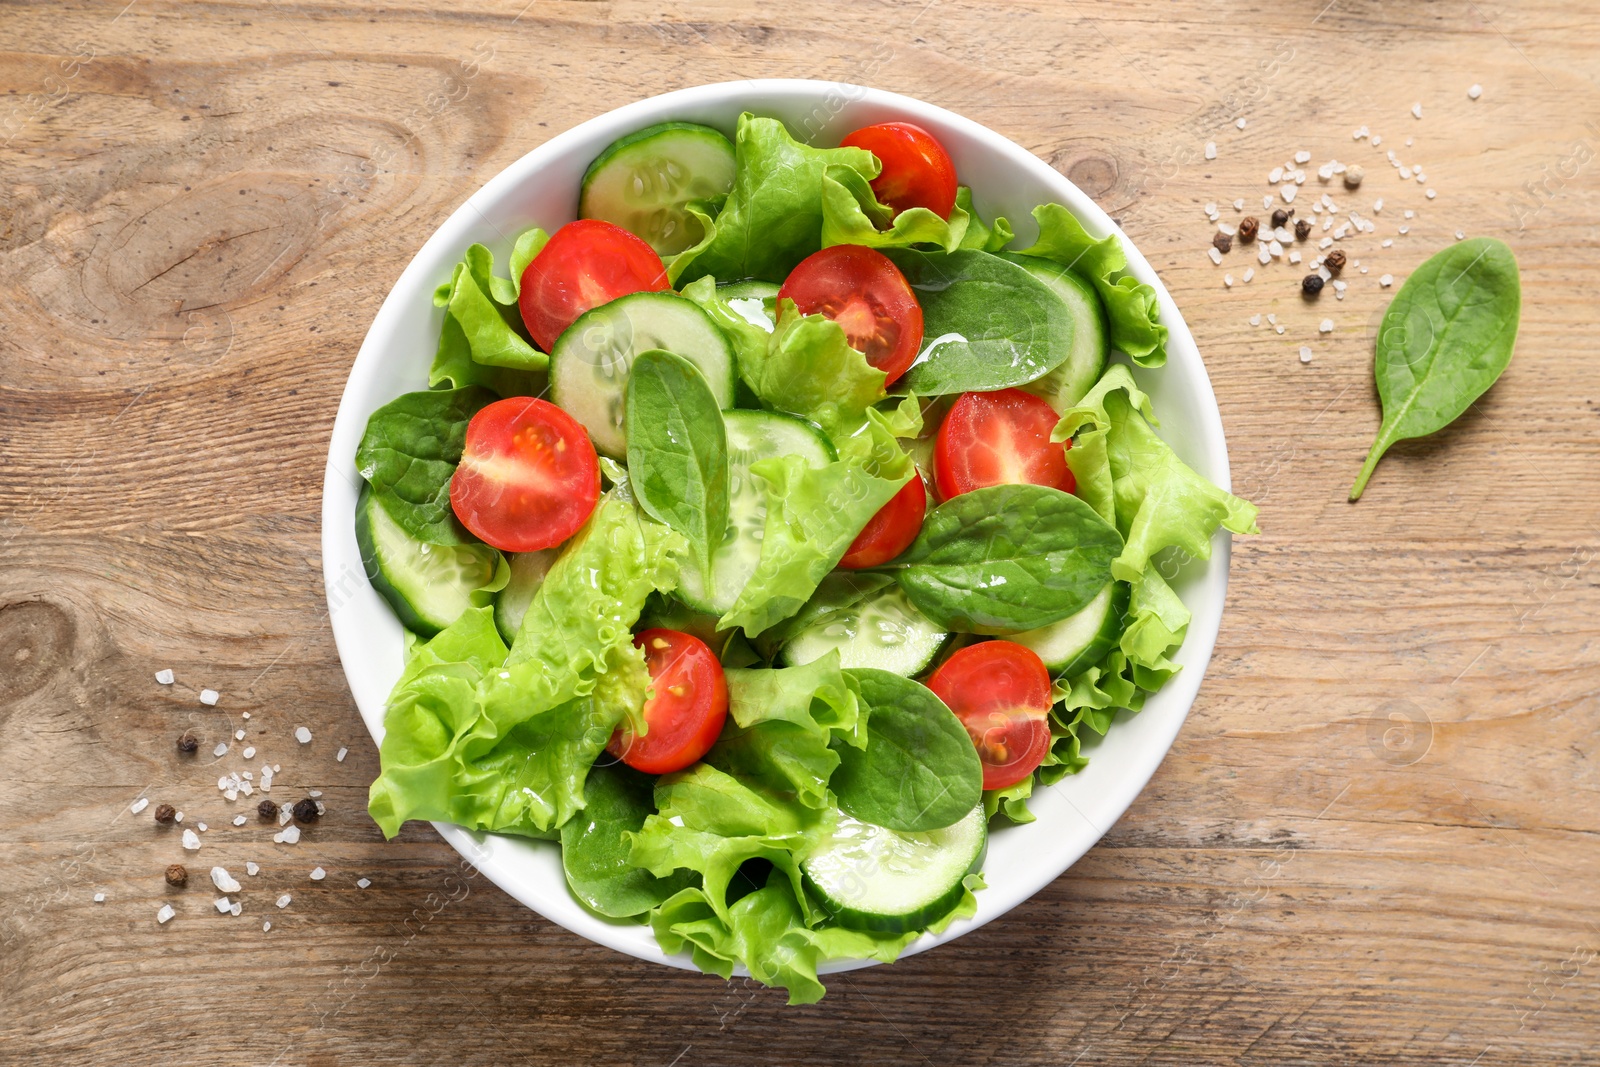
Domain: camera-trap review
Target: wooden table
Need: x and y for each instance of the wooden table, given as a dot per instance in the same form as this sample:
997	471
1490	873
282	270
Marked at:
1375	840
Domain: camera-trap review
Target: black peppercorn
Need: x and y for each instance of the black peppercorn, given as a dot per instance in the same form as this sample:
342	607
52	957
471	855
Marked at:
267	810
1311	285
1334	261
1222	242
177	875
1302	229
1280	217
165	813
306	810
188	743
1247	228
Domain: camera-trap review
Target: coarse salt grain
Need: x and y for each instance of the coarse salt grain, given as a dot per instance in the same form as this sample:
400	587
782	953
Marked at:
1276	176
1266	202
1255	320
165	677
1275	248
165	913
1294	257
1431	194
1288	193
1386	281
1402	231
1210	209
223	905
1273	319
238	735
208	697
224	881
238	820
1211	150
1284	235
244	715
362	883
1325	242
341	754
1461	235
290	834
318	874
1388	242
313	793
139	805
283	901
266	926
1416	111
177	817
202	827
221	749
252	868
1280	329
1474	92
1227	280
1238	205
249	753
301	734
236	909
1302	157
1216	256
1262	255
1305	354
1377	139
1377	205
1405	174
191	840
285	813
1249	273
1340	287
1326	326
99	898
1240	124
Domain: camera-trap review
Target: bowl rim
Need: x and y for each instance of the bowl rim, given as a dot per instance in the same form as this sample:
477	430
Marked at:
490	853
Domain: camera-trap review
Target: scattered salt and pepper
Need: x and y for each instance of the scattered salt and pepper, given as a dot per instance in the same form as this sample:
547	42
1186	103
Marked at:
165	677
302	735
209	697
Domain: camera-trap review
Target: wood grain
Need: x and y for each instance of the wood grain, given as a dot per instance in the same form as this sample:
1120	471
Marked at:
1375	840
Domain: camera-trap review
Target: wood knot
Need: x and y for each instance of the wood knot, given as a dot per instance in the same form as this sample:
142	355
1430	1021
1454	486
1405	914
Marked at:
36	642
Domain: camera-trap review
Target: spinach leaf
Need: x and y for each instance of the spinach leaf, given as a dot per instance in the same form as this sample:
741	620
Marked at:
594	852
986	323
1445	340
1131	305
409	452
919	770
1008	558
678	450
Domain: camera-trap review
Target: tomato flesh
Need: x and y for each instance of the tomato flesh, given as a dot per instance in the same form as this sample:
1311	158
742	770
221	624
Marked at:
1001	693
528	476
584	264
917	171
686	709
891	531
865	293
999	438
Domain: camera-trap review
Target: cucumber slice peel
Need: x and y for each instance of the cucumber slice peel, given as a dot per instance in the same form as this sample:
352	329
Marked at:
645	181
429	586
871	878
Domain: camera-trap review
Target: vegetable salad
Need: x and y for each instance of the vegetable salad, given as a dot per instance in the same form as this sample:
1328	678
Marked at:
769	533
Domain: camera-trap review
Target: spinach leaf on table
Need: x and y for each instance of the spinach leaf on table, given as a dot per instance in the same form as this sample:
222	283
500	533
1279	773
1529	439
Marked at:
1445	340
409	453
986	322
678	450
919	770
1008	558
594	850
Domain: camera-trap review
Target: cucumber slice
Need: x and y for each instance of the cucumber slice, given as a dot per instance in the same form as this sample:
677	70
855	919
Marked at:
527	575
590	362
644	182
752	436
429	586
752	300
871	878
884	631
1079	641
1091	336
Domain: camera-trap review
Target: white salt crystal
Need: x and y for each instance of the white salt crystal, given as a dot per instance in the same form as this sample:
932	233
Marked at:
1340	287
1405	174
1294	257
313	793
249	752
1416	111
1325	242
1263	255
223	905
165	913
1432	194
1461	235
283	901
340	755
165	677
221	749
1255	320
1402	231
139	805
244	715
1240	124
1284	234
1276	176
1305	354
1238	205
251	867
1474	92
266	926
1377	205
1302	157
224	782
1249	273
238	735
1377	139
223	880
1299	177
208	697
1216	256
1386	281
1266	202
236	909
1288	193
1275	248
1326	326
1280	329
1360	133
318	874
1222	227
301	734
290	834
1210	209
178	817
1273	319
191	840
238	820
362	883
1388	242
99	898
202	827
1227	280
1211	150
1325	172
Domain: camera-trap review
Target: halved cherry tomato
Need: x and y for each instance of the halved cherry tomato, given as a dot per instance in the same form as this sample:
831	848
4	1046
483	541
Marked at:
528	476
1001	693
917	171
685	712
999	438
864	292
584	264
891	531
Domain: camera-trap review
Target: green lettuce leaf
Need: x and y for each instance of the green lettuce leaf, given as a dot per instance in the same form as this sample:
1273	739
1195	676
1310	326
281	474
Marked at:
851	215
772	218
809	369
1157	500
484	306
1131	305
1012	801
978	236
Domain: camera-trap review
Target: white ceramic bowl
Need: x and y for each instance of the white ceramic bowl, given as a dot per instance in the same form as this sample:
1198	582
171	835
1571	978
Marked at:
541	189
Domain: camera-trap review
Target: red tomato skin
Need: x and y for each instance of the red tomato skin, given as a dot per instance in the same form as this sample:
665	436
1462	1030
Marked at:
852	284
917	171
673	742
534	437
891	531
1001	693
584	264
999	438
